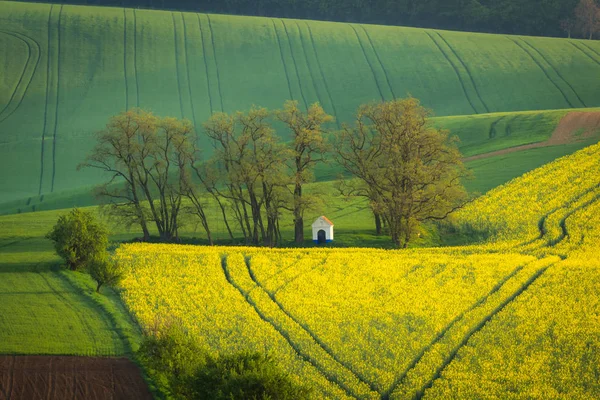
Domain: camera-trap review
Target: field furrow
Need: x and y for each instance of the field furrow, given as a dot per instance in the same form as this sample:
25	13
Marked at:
362	47
385	73
238	275
588	52
466	75
48	172
570	90
212	67
442	353
311	76
183	84
129	59
548	71
283	61
454	65
292	53
33	58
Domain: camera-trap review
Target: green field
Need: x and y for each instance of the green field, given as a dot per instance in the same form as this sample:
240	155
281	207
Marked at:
72	67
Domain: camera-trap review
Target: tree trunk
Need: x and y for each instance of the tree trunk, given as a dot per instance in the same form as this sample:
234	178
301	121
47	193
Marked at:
378	229
98	287
298	218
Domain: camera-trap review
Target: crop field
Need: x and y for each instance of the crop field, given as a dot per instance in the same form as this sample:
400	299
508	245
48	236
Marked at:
516	314
72	67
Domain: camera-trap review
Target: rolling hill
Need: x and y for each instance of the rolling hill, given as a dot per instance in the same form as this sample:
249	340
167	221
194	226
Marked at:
72	67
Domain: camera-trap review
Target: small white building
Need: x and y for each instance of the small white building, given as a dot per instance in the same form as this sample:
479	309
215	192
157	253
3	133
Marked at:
322	230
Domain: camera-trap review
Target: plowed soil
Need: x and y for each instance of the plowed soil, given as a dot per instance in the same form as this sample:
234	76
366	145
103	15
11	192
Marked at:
58	377
577	125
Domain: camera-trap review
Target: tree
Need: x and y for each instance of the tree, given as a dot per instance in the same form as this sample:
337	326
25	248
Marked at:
587	18
249	162
410	171
105	270
146	159
308	148
567	25
78	238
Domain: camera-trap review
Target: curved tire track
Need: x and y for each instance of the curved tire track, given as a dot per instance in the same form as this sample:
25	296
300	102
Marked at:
467	70
212	39
362	47
33	59
204	57
421	392
443	332
325	84
287	34
555	71
387	78
306	329
285	68
543	70
305	357
460	79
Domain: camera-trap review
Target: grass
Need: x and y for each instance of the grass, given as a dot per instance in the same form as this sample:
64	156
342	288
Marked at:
94	62
35	292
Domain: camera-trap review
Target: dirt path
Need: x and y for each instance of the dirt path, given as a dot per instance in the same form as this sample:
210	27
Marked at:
569	125
60	377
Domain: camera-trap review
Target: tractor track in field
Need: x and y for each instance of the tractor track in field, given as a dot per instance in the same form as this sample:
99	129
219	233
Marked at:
135	69
297	276
386	395
325	84
187	69
57	101
306	329
555	70
467	70
589	121
17	96
70	306
310	69
387	78
204	58
448	360
585	53
285	335
125	58
492	132
368	62
126	55
285	68
591	49
460	79
214	48
528	52
177	65
287	34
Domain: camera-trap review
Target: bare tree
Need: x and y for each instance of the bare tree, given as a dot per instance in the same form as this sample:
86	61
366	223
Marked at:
587	18
568	25
410	171
308	148
146	157
249	163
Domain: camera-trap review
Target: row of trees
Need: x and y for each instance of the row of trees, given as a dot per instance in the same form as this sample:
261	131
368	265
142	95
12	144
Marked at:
531	17
408	171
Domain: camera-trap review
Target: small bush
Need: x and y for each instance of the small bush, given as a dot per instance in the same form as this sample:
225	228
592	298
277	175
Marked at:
105	270
78	238
183	370
245	376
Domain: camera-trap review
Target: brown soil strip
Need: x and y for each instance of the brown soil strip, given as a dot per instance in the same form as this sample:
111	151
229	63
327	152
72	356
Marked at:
61	377
565	132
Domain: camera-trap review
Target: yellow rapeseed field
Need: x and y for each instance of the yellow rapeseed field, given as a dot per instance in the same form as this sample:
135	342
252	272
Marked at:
517	317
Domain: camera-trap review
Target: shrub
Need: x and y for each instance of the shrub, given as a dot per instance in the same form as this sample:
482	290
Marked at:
183	370
245	376
105	270
78	238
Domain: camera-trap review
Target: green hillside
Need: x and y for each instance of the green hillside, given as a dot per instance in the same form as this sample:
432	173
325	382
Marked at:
68	68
